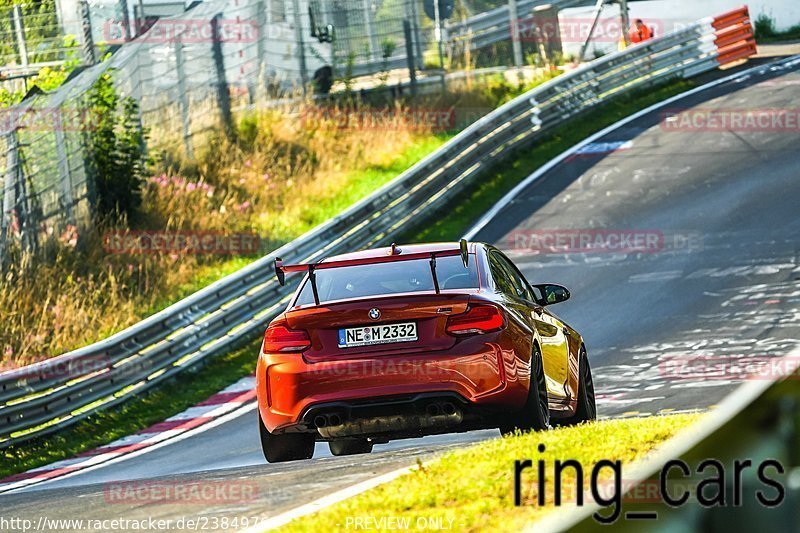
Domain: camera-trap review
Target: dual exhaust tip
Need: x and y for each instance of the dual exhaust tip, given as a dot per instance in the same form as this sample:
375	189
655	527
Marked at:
332	419
432	409
441	408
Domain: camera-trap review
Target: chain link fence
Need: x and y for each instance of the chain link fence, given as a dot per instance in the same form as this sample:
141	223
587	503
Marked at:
191	73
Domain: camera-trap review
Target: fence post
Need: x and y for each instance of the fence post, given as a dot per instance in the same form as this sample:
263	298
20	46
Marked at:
516	45
86	28
412	71
223	96
63	169
624	16
417	39
183	99
261	21
20	205
19	28
301	47
374	46
126	19
9	200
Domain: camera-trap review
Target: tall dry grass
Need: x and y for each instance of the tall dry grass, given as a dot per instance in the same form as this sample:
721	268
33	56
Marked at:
280	177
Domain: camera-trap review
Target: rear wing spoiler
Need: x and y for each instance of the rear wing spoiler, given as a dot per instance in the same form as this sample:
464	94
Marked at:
394	255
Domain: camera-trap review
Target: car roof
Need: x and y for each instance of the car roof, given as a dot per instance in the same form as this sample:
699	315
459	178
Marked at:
403	248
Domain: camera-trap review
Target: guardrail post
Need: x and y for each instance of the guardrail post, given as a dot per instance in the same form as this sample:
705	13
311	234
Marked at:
223	96
19	28
183	99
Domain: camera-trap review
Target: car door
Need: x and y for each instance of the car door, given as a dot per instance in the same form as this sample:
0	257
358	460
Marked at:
555	355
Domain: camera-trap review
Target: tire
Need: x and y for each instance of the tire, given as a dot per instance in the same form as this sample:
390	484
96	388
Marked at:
350	446
285	447
586	409
535	416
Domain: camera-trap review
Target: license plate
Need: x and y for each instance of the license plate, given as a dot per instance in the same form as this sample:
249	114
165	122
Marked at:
383	334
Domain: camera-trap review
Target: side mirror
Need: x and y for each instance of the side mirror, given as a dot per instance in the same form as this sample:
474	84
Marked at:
552	293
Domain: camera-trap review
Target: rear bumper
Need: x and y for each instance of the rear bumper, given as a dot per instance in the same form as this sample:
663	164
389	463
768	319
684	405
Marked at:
481	377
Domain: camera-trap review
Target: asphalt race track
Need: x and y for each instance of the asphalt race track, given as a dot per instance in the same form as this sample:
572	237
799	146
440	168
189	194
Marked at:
723	281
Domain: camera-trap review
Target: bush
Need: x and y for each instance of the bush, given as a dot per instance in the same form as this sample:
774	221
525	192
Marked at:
115	151
764	26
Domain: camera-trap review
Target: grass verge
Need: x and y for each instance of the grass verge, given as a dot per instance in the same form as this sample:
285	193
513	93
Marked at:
186	390
472	488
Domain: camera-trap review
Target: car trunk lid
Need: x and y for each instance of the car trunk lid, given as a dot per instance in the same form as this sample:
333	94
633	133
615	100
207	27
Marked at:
429	311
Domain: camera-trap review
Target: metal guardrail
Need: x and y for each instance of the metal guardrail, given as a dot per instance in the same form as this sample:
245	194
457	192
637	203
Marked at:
493	26
44	397
477	31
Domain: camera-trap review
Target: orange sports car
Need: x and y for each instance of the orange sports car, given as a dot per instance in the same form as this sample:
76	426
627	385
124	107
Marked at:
407	341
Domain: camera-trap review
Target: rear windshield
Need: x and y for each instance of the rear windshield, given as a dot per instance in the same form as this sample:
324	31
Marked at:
390	278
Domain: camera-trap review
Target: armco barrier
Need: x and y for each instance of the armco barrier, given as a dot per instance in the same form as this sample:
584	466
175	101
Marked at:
46	396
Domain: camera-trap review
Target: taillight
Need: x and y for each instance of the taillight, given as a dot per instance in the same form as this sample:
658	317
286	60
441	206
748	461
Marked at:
477	319
279	338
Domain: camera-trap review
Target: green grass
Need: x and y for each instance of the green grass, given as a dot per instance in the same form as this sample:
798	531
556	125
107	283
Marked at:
473	486
317	208
154	406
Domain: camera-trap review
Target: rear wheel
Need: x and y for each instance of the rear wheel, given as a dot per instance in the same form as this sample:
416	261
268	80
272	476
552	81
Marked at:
350	446
586	409
536	414
285	447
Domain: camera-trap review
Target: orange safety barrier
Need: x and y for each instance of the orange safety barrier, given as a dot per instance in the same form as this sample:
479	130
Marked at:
735	38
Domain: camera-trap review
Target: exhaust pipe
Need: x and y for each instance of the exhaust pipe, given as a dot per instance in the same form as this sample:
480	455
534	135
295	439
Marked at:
433	409
448	408
320	421
334	420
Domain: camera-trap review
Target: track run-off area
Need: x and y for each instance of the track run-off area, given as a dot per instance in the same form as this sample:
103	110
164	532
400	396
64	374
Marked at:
719	277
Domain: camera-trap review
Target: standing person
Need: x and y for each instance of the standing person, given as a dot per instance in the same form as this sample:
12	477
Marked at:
639	32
